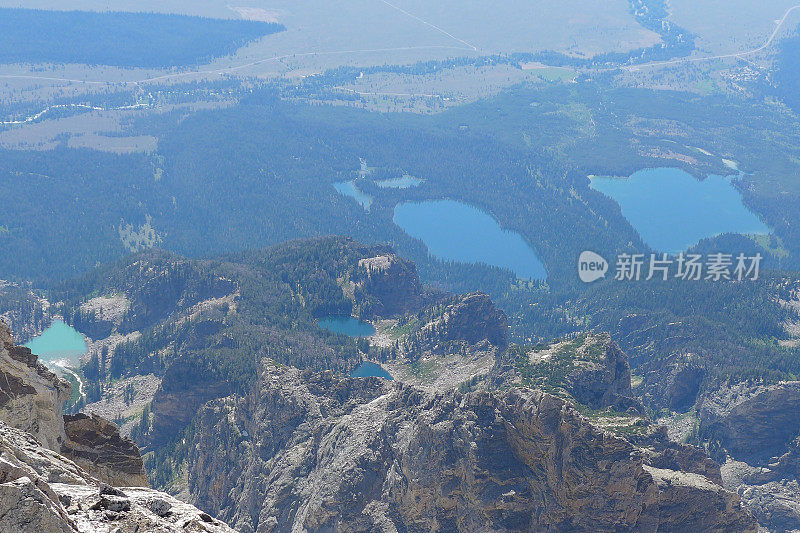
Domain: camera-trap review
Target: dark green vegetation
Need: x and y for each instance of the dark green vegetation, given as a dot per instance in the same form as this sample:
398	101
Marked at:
733	327
262	172
263	304
550	376
202	326
120	39
286	158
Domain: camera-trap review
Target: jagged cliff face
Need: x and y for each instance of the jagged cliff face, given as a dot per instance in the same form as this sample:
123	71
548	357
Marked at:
468	319
755	431
448	344
31	399
30	395
676	382
183	391
589	369
314	452
547	438
753	423
389	282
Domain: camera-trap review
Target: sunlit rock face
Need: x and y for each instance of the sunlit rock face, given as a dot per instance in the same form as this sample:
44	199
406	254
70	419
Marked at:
312	451
30	395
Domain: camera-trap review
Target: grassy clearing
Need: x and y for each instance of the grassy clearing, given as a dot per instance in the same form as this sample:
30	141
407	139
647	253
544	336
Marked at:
620	424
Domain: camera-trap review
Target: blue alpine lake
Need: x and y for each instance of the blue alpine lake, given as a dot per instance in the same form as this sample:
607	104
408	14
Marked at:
460	232
352	327
348	188
672	210
368	369
59	343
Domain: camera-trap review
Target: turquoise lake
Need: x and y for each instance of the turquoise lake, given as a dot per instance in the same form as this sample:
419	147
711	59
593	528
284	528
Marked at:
348	188
405	182
59	342
457	231
672	210
368	369
349	326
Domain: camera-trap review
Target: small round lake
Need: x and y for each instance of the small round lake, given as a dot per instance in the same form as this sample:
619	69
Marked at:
352	327
59	343
672	210
369	369
456	231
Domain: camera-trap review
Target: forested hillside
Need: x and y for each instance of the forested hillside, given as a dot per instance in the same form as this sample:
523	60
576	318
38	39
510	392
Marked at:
121	39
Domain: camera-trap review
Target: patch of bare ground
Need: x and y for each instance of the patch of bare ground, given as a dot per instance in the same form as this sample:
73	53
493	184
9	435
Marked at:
109	308
198	309
792	327
680	426
442	372
383	338
256	14
124	400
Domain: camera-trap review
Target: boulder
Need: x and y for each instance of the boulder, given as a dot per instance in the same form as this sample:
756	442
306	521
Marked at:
97	446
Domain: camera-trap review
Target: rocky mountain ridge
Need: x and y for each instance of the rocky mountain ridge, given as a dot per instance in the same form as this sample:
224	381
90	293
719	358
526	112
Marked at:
322	452
302	448
754	430
589	369
448	344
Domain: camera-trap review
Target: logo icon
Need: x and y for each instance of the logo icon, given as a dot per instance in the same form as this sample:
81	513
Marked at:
591	266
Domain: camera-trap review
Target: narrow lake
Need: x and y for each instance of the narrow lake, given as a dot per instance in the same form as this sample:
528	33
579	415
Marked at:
348	188
672	210
59	343
460	232
352	327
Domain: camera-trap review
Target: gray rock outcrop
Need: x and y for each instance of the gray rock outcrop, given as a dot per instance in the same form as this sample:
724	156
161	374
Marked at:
31	396
96	445
389	282
753	423
311	451
755	430
469	320
589	369
44	492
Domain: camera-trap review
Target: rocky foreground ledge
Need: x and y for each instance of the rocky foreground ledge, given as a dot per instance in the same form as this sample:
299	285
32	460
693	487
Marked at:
42	490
